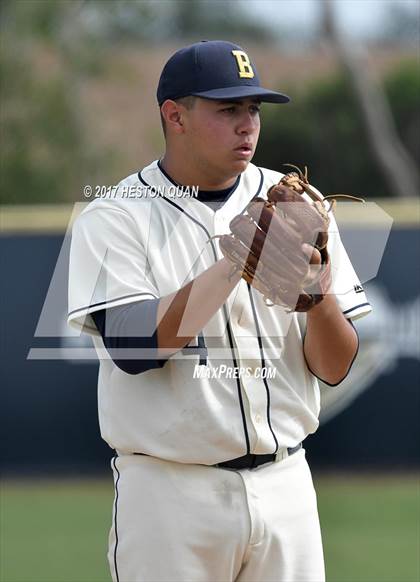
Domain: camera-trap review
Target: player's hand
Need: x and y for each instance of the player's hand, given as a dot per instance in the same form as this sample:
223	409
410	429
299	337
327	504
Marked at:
280	246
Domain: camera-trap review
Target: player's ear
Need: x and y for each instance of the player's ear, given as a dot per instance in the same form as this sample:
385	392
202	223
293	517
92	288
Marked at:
172	113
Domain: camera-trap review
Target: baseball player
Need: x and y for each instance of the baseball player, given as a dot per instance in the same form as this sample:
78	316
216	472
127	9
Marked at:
205	391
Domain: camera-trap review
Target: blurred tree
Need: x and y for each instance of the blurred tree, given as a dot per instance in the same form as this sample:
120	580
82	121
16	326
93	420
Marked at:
41	140
44	154
38	18
389	152
122	21
49	48
202	19
322	128
402	87
401	24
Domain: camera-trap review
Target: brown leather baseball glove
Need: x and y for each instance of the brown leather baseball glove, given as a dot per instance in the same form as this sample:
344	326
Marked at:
280	245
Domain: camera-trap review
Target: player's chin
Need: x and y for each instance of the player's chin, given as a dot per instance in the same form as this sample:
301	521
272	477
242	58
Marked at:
240	165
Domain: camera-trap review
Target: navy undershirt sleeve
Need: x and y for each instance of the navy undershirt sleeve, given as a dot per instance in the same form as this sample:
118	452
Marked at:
120	328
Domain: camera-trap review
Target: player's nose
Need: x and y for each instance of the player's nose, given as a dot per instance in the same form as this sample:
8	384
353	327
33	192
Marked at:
248	123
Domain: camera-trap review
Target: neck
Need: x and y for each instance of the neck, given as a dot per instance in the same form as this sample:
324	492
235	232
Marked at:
186	175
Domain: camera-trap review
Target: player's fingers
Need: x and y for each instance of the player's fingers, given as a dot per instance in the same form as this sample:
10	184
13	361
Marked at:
315	263
313	254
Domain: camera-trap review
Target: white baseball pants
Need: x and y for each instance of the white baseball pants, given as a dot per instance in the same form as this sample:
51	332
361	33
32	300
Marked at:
175	522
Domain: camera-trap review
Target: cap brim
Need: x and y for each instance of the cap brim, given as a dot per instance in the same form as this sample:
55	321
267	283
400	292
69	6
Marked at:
243	91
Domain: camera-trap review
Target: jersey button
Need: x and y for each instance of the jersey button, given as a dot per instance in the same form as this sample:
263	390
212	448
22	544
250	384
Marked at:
258	418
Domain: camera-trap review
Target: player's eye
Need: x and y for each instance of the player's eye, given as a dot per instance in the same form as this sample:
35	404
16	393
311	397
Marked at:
230	109
255	109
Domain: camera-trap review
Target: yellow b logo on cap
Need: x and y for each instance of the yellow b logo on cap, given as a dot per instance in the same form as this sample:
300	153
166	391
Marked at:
244	65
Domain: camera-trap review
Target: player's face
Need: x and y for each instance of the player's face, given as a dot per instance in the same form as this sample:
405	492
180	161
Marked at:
222	135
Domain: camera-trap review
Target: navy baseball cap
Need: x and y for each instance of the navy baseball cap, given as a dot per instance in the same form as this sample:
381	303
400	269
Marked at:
213	69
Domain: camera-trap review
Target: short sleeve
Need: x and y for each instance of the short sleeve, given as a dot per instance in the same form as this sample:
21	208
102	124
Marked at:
346	286
108	265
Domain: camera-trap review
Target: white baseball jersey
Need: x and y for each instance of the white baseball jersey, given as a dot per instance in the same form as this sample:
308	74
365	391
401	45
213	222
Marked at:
247	389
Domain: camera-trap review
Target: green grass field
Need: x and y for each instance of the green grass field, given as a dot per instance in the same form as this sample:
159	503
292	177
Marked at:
56	531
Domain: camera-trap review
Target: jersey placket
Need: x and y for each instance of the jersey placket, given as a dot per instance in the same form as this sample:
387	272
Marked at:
247	349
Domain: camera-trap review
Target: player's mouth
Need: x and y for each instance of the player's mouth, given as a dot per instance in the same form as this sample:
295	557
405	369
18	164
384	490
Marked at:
245	150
